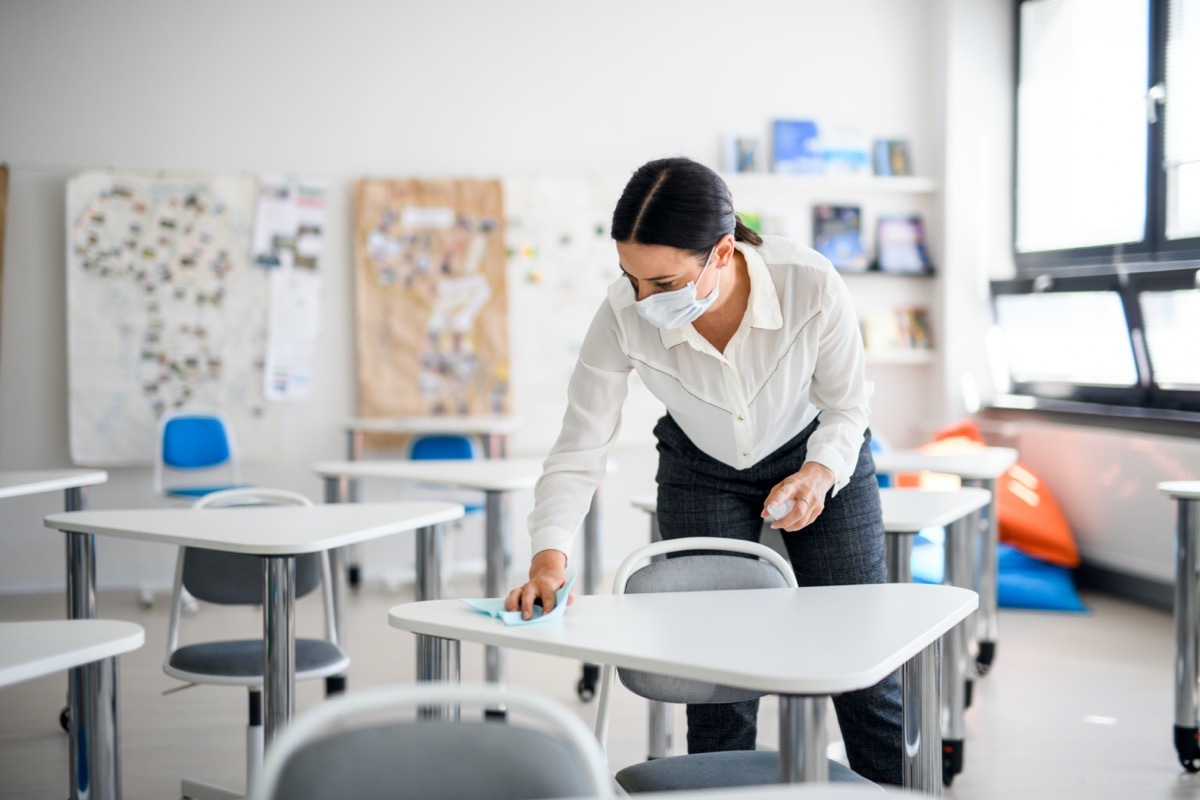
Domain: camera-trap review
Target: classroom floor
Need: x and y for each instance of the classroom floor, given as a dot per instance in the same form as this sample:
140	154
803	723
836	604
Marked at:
1077	706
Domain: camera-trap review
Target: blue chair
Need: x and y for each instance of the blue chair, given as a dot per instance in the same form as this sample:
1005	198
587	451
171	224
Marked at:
198	443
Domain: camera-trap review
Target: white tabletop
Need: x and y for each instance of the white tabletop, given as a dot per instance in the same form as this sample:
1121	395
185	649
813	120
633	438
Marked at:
647	503
1181	490
839	638
982	464
486	474
465	425
911	510
32	649
260	530
15	484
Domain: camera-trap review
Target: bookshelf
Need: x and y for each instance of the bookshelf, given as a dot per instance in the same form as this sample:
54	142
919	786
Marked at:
905	377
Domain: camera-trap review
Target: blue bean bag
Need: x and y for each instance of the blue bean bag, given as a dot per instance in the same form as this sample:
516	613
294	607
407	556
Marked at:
1021	581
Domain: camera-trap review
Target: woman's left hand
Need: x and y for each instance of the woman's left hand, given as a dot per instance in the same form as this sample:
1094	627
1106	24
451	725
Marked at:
807	489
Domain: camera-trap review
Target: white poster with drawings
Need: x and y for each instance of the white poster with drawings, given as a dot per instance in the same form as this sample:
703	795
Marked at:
561	259
165	310
289	241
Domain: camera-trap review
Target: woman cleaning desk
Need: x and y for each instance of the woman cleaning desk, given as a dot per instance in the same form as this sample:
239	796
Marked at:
752	344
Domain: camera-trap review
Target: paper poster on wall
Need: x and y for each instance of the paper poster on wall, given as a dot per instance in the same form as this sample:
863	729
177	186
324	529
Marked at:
561	261
165	310
289	241
432	306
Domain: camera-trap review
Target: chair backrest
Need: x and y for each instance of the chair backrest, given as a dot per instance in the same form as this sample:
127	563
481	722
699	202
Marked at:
224	578
711	564
442	446
373	744
192	440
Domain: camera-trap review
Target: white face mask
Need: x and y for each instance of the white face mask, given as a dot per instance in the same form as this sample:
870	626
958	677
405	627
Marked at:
671	310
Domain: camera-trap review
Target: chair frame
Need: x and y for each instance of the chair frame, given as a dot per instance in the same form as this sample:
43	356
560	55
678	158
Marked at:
254	732
338	711
643	556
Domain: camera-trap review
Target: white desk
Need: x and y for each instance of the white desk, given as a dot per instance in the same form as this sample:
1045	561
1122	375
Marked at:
979	468
841	638
821	791
492	430
278	534
74	484
1186	495
497	478
30	650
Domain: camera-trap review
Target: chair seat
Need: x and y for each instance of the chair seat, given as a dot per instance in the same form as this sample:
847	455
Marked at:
199	491
241	660
715	770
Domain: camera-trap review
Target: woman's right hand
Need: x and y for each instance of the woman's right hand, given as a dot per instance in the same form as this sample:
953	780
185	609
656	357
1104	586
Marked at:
546	576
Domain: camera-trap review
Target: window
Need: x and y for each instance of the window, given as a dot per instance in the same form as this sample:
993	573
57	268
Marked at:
1108	133
1104	314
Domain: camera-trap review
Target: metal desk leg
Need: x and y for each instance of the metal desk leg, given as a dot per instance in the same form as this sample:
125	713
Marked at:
1187	618
439	659
921	679
802	739
496	511
989	623
429	562
279	640
95	763
954	654
354	451
335	492
586	688
899	556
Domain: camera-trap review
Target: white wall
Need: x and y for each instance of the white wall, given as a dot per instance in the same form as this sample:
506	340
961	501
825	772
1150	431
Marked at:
356	88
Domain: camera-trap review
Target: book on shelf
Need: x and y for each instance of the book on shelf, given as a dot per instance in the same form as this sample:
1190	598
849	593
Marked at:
898	330
891	157
795	147
741	153
900	244
837	235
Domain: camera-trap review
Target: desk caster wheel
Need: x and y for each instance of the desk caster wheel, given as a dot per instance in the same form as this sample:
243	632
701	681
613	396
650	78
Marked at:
354	577
587	684
968	691
1187	745
64	719
987	654
952	759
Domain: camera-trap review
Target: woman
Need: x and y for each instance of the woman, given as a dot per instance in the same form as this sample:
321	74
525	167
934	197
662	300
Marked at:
752	344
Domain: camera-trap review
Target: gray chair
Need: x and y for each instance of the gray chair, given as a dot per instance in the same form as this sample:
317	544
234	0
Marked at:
717	564
236	579
408	742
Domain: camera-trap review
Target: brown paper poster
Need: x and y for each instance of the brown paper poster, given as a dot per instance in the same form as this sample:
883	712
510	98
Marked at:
431	300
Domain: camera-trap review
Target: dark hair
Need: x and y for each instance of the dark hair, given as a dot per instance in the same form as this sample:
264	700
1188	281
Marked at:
679	203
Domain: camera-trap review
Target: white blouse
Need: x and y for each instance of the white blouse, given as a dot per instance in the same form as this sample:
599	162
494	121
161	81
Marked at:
798	352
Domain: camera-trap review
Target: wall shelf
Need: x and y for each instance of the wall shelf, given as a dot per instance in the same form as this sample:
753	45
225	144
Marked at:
899	357
829	184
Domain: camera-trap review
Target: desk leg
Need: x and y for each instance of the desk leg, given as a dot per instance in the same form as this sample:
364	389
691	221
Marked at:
1187	618
662	721
429	562
438	659
989	623
497	508
335	492
95	765
899	556
354	451
586	688
802	739
957	570
279	645
921	680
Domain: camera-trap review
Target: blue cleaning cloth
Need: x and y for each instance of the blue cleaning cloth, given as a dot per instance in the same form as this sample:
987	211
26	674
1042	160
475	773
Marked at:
494	606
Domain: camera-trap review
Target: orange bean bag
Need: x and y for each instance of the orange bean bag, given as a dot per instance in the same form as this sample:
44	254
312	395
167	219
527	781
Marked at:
1030	519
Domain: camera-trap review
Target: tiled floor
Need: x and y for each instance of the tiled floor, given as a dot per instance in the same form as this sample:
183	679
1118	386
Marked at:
1077	706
